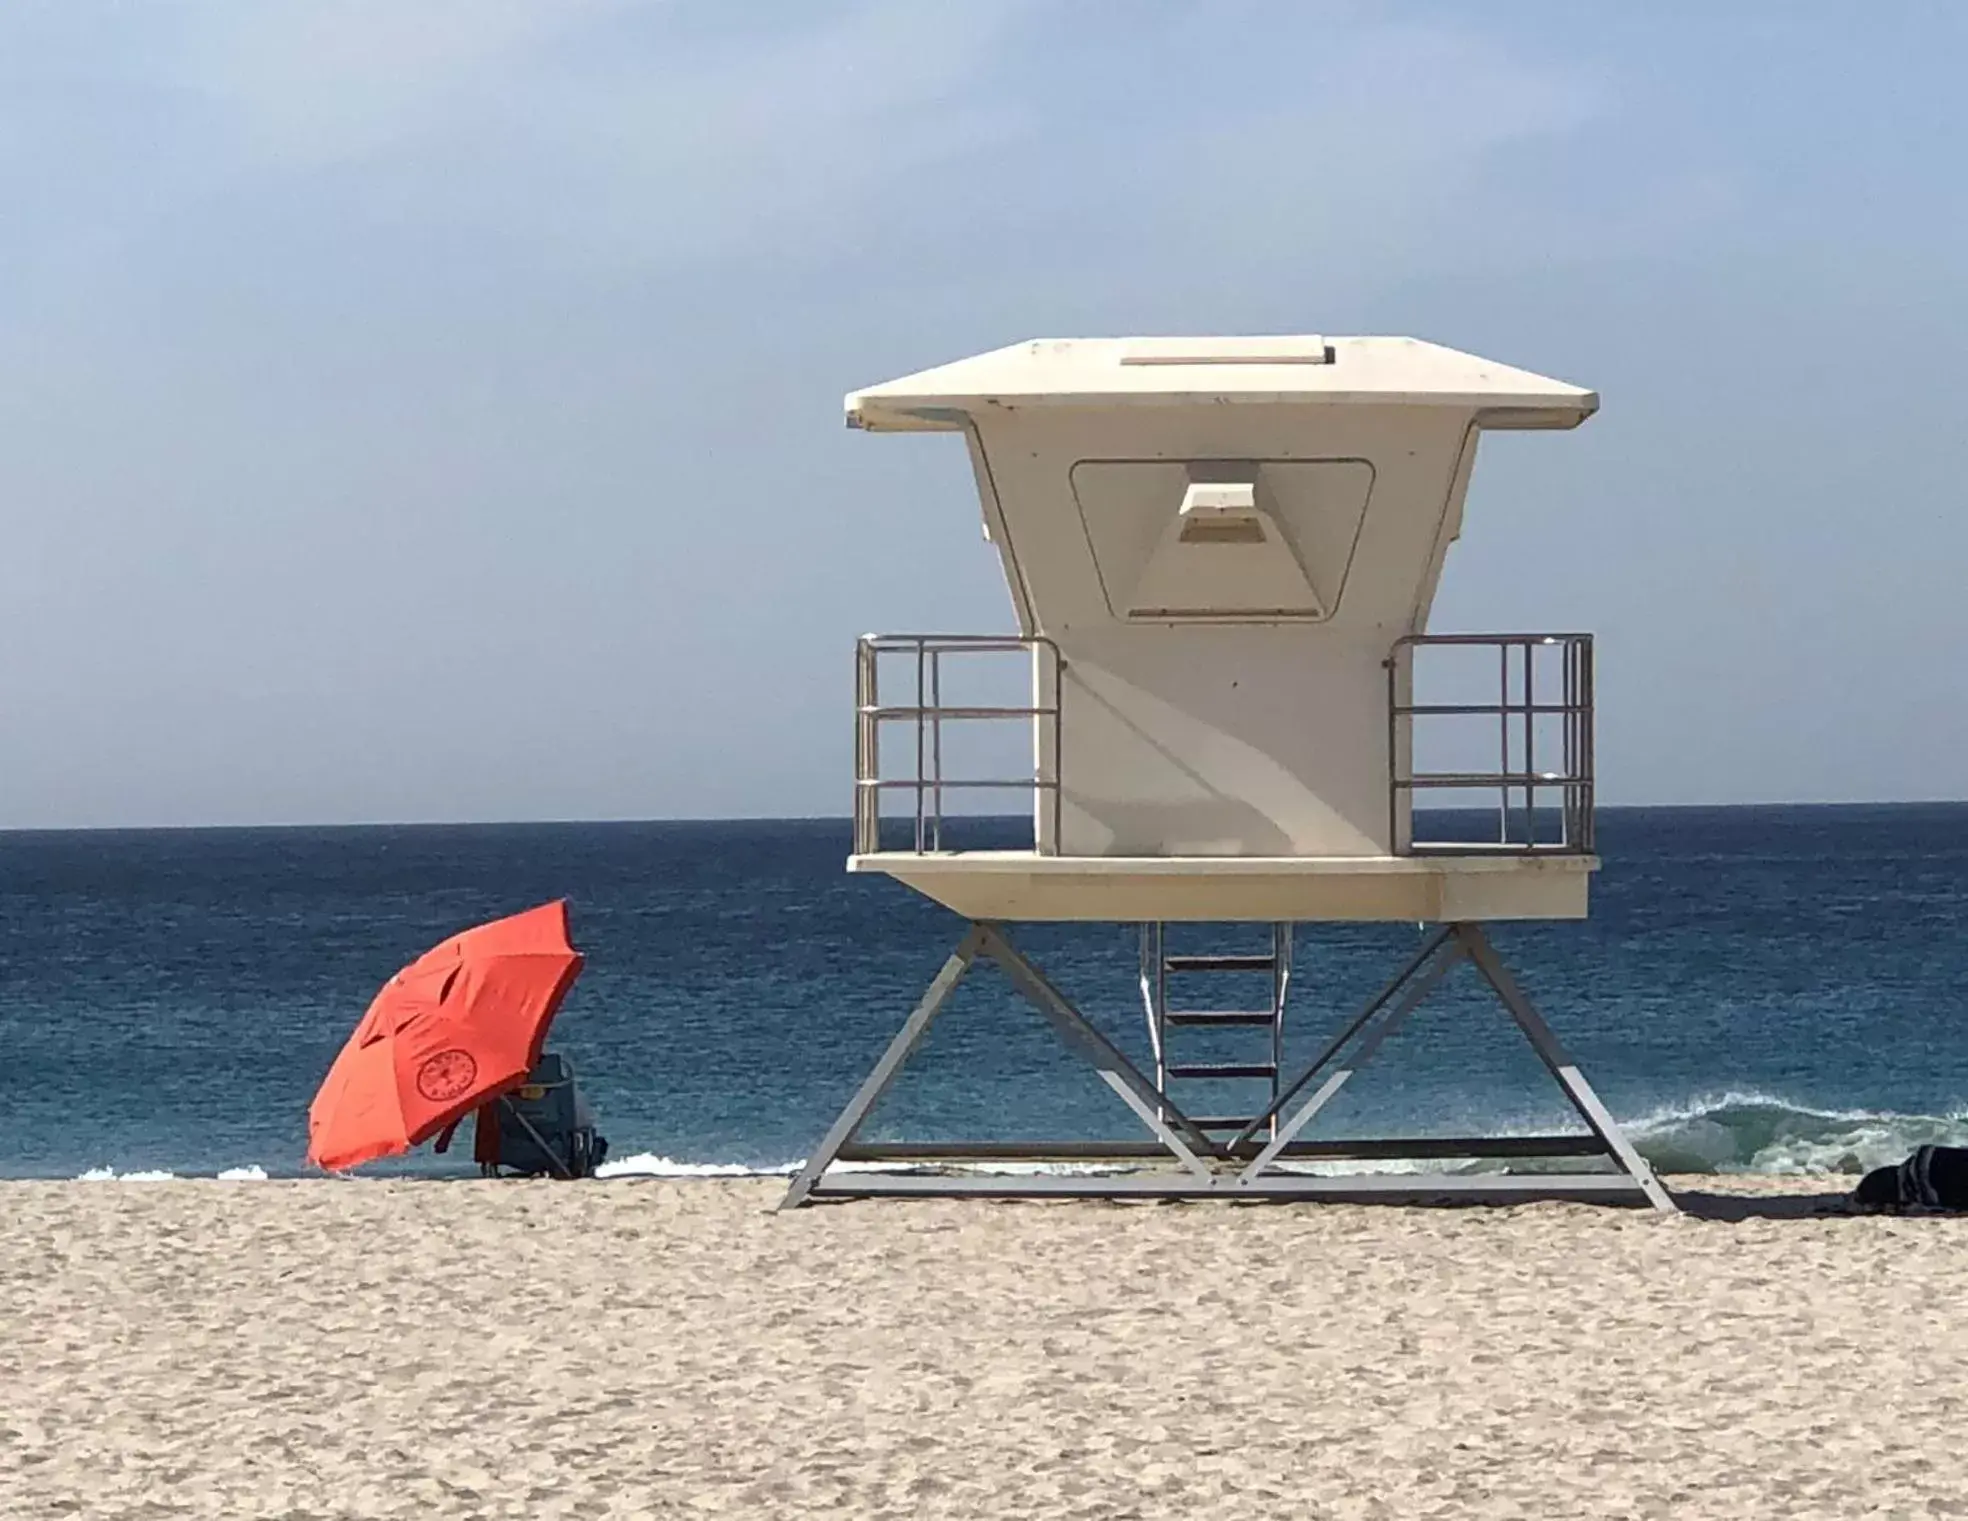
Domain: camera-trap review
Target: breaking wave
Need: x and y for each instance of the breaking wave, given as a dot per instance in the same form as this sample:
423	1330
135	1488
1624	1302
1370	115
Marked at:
648	1165
1759	1133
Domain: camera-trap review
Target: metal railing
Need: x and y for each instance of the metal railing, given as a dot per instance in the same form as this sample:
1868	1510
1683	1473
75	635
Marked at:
927	715
1526	793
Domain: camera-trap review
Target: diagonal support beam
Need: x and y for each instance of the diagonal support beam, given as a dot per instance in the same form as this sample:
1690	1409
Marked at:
1561	1066
1443	959
877	1081
1158	1124
1169	1124
1338	1043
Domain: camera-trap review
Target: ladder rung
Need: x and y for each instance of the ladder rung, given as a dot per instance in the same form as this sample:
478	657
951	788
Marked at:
1223	1069
1220	1121
1260	963
1220	1017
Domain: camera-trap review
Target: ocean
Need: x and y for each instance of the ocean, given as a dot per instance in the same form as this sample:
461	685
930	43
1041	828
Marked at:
1768	989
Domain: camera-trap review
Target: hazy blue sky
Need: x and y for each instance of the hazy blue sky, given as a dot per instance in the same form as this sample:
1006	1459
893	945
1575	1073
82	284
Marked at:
365	364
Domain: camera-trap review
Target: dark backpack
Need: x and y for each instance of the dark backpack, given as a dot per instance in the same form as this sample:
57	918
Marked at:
1934	1177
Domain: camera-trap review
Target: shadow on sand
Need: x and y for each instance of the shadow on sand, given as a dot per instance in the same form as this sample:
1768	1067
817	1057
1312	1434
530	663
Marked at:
1732	1207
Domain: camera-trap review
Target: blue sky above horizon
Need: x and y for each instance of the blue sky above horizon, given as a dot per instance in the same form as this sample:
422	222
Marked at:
362	363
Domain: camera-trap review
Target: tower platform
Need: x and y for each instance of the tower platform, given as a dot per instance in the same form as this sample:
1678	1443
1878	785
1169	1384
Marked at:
1014	885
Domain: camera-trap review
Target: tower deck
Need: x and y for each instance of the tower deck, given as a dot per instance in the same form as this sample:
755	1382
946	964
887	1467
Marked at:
1014	885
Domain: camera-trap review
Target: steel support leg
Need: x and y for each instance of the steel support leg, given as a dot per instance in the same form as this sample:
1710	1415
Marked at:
877	1082
1442	960
1561	1066
1166	1122
1374	1005
1120	1074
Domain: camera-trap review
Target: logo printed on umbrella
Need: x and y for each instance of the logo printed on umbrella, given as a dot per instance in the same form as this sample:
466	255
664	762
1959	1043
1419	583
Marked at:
446	1075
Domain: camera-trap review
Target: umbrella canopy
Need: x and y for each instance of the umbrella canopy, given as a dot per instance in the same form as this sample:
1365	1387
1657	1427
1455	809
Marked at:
458	1026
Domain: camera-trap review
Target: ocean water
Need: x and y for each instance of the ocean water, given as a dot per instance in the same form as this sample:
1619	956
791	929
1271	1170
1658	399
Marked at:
1758	989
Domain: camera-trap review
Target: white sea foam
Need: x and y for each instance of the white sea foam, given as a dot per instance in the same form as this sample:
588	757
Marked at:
1002	1167
647	1164
250	1174
1386	1166
111	1175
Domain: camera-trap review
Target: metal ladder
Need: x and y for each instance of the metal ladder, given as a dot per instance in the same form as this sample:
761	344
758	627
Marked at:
1158	965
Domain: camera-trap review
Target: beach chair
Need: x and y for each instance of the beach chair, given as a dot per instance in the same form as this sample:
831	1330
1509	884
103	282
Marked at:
543	1128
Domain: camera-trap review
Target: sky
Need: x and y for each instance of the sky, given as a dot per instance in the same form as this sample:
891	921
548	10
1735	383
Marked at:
431	409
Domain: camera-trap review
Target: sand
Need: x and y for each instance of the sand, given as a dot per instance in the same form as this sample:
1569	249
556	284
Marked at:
392	1349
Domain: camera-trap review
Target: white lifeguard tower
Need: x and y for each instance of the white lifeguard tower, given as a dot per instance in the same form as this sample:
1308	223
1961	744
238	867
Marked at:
1222	553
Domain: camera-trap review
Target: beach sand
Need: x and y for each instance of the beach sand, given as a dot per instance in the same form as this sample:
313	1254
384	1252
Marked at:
404	1349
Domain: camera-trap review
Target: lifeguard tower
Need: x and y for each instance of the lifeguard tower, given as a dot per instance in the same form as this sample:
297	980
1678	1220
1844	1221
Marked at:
1222	553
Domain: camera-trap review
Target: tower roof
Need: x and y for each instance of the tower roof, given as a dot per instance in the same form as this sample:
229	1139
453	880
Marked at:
1289	371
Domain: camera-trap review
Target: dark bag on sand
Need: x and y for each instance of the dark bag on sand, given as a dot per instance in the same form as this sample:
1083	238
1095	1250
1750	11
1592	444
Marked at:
1934	1177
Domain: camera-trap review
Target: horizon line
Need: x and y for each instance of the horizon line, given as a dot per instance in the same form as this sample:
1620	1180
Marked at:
846	820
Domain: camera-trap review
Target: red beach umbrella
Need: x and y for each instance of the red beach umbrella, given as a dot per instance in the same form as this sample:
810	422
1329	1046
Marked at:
457	1027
